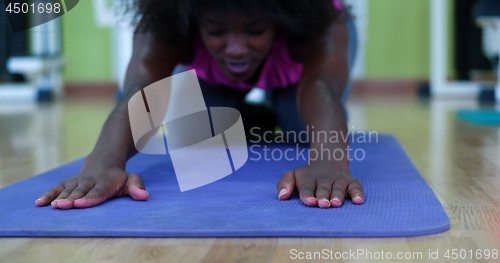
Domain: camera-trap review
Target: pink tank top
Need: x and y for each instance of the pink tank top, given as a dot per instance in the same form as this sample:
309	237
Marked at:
278	71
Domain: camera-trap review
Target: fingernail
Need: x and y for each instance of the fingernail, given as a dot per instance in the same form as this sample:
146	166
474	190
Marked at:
358	198
336	199
40	199
282	192
325	200
314	198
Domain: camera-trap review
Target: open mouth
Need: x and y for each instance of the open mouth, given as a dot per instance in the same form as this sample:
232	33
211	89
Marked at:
237	67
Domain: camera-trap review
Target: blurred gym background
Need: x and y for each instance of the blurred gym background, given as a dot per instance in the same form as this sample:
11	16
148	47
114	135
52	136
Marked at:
92	48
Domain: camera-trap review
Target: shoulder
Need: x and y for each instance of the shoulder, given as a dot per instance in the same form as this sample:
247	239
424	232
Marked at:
336	35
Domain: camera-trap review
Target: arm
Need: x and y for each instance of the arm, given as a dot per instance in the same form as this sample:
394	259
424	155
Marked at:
153	59
103	174
323	182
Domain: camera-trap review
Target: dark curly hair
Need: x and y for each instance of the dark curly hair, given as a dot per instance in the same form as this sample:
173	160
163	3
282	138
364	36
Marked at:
176	19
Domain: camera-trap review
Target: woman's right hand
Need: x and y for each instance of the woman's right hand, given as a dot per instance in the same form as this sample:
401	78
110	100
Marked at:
93	186
103	175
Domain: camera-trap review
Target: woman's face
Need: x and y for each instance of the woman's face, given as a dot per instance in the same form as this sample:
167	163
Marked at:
239	44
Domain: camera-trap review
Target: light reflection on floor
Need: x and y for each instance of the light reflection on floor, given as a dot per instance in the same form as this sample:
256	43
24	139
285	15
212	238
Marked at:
38	137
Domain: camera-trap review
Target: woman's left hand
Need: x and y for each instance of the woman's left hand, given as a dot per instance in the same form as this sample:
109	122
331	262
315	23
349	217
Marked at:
320	185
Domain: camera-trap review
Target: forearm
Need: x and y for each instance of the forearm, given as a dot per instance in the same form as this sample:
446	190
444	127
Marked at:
153	59
326	181
320	107
115	145
319	94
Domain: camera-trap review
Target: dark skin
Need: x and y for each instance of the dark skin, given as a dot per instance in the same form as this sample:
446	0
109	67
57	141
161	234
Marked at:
230	39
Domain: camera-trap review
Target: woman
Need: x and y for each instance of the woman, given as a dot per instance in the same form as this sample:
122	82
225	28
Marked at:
299	51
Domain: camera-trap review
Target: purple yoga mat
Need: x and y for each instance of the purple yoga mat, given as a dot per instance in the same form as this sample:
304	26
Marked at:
398	202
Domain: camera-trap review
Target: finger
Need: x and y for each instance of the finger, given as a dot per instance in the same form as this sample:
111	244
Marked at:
306	192
135	188
286	185
94	197
49	196
323	193
338	193
64	193
79	192
355	190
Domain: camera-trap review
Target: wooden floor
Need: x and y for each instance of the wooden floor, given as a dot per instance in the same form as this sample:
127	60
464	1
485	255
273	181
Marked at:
461	162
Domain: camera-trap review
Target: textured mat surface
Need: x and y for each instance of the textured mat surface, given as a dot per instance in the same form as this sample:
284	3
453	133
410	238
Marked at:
480	117
398	202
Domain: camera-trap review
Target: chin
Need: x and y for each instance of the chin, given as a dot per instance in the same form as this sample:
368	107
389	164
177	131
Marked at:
238	76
